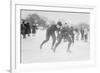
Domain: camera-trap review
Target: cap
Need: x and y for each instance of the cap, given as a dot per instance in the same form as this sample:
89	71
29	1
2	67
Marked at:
59	23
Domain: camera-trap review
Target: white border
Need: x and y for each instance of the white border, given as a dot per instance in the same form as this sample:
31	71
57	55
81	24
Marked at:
15	56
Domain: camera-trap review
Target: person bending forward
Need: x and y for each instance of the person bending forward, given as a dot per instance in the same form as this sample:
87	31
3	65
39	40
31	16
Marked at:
51	32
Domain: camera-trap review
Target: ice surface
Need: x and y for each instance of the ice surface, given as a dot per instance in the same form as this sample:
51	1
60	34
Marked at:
30	50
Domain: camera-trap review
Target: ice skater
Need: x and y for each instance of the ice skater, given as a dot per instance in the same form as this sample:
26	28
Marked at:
51	33
66	33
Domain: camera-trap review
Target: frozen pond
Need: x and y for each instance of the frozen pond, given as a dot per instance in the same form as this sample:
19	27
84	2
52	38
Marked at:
31	50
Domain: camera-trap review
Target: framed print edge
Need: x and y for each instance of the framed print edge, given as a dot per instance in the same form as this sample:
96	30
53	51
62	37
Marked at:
15	55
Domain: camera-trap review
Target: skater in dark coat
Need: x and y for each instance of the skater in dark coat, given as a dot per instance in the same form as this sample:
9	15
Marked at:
51	32
66	33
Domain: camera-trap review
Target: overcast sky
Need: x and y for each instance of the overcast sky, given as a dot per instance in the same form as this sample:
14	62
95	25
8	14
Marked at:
71	18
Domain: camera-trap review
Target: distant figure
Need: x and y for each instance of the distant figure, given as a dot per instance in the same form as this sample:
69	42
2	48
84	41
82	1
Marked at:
86	30
82	33
77	30
51	32
23	28
34	27
28	29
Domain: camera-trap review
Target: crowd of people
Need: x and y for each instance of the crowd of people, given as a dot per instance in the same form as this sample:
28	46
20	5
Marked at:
64	32
26	29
